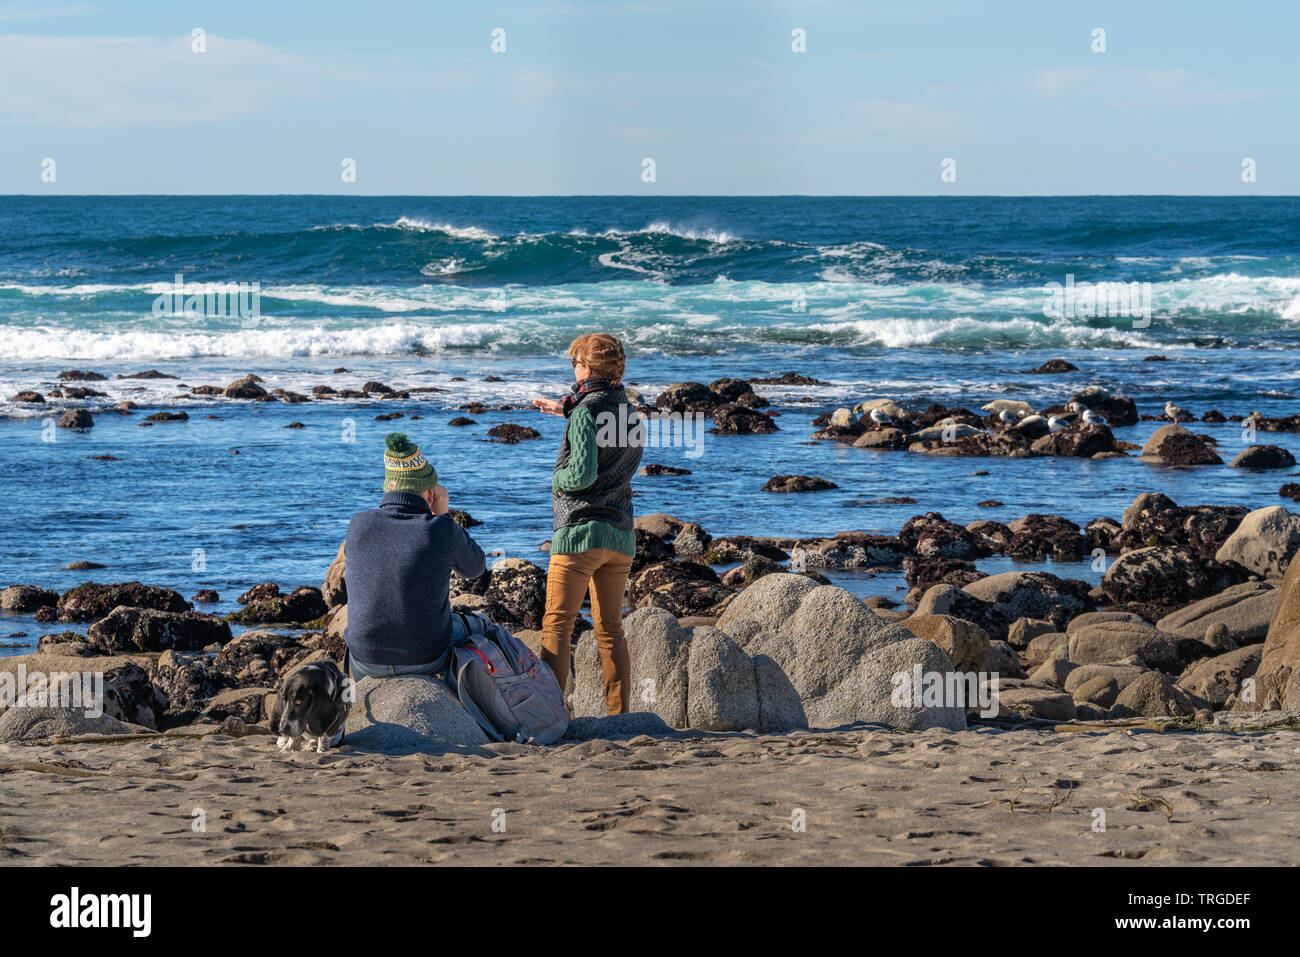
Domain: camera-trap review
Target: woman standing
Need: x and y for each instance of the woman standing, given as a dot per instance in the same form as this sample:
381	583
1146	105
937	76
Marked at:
591	492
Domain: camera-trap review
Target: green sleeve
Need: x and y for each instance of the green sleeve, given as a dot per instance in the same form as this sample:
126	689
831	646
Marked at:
580	471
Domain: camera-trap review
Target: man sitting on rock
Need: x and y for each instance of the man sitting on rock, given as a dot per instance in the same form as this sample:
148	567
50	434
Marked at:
400	557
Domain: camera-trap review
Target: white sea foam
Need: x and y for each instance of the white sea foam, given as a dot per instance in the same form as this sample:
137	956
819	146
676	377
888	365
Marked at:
27	344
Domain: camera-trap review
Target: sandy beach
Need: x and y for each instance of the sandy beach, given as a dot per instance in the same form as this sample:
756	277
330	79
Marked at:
869	796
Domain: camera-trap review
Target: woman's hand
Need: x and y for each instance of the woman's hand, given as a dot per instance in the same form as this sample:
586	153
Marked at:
549	406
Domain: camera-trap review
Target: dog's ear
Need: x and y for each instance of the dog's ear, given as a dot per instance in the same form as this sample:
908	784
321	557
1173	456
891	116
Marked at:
321	707
277	711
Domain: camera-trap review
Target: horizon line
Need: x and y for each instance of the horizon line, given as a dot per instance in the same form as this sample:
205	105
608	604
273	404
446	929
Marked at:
49	195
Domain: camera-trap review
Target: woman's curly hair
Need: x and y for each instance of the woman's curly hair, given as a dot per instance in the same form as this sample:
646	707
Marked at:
600	352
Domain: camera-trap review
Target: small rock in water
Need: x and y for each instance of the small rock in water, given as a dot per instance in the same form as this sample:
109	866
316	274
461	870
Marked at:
460	421
1262	457
82	566
797	483
245	388
656	469
76	419
207	596
789	378
148	374
510	434
1054	366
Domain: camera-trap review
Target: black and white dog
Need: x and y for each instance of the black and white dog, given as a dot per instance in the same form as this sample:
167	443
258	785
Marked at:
311	708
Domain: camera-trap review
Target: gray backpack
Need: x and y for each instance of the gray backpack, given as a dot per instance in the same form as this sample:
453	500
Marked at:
507	689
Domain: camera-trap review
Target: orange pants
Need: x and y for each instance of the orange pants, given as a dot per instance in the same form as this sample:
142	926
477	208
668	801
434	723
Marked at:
567	581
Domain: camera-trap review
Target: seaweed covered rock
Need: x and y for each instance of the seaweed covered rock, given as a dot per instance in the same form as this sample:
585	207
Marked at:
135	630
1166	578
513	589
1174	446
92	601
302	605
681	588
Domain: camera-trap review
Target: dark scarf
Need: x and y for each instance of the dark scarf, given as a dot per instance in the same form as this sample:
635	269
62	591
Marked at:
581	388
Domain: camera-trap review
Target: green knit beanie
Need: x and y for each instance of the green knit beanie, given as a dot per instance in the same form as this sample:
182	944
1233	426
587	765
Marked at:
405	468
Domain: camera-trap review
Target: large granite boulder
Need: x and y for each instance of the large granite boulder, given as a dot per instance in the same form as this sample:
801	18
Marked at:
28	724
1110	642
1244	610
722	689
1101	684
187	680
1154	519
1218	679
932	536
1273	685
249	705
1003	661
1264	543
1261	457
659	649
1083	442
409	715
841	658
1032	699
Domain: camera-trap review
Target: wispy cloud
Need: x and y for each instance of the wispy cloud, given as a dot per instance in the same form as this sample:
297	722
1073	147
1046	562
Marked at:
1135	88
89	82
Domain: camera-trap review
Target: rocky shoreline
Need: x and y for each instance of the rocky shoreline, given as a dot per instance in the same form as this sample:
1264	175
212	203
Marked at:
1176	626
1179	611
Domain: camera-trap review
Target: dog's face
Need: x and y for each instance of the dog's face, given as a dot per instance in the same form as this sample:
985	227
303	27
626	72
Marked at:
309	701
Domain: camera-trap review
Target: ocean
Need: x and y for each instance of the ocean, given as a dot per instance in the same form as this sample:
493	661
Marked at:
917	299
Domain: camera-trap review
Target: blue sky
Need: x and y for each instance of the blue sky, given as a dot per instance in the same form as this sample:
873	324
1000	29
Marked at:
710	90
